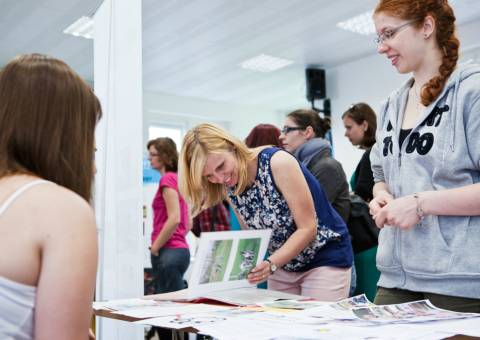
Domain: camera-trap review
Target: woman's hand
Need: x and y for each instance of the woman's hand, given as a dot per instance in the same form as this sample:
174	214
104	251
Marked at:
400	212
260	273
154	250
381	199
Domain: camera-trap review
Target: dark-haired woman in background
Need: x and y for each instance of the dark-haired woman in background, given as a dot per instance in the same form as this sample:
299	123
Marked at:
303	135
170	254
360	124
426	163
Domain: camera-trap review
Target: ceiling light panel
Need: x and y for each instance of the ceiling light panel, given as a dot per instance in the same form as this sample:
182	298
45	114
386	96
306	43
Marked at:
361	23
83	27
265	63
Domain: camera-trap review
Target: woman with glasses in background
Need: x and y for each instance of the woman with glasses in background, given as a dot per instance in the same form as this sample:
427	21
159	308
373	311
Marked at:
310	251
426	162
303	135
170	254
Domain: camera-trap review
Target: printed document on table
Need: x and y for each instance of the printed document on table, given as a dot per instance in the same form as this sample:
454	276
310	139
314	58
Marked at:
222	262
174	309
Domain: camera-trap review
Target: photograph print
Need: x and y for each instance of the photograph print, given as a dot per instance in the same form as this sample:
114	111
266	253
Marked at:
245	258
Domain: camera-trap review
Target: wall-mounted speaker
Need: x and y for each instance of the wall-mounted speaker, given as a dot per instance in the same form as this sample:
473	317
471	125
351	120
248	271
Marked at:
315	83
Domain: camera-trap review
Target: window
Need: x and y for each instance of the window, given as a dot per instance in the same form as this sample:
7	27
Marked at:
174	132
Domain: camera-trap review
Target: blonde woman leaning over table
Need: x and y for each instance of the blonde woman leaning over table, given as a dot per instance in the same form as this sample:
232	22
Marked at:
310	251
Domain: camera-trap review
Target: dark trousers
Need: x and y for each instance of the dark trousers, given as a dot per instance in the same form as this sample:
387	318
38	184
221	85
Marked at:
389	296
167	271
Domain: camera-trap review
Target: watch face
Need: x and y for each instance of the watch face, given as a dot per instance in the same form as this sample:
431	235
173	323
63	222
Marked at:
273	268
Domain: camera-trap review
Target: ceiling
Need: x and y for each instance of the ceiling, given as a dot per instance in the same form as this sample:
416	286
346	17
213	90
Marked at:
193	48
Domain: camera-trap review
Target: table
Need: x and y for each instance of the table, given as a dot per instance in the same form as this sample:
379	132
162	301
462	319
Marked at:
177	334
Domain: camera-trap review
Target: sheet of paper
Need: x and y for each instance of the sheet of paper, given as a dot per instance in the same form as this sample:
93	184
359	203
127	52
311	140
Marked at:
179	295
470	326
224	259
416	311
255	323
250	296
265	327
293	304
122	304
183	321
172	309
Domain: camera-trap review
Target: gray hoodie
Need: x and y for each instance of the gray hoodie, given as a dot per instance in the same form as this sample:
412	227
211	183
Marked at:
441	254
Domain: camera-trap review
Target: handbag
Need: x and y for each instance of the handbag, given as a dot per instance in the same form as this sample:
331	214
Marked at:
361	226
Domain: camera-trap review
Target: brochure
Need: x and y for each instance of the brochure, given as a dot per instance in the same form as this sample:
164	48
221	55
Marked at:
222	263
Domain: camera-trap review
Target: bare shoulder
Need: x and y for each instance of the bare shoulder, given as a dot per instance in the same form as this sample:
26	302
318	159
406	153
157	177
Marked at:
285	170
282	161
52	206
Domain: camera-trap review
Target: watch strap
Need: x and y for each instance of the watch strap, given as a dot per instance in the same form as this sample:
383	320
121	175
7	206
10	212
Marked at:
273	266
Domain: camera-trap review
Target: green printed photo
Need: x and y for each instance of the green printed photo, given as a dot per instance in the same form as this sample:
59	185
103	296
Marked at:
245	258
216	261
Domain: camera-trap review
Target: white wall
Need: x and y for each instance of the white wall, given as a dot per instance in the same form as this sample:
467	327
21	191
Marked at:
188	112
368	80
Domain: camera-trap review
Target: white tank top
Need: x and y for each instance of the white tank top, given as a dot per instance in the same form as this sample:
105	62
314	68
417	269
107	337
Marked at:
17	300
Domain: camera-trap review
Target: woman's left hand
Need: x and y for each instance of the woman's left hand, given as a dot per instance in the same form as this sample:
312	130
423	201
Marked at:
154	250
260	273
401	213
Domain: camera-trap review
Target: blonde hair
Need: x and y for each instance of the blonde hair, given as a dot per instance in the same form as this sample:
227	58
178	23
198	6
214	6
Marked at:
198	143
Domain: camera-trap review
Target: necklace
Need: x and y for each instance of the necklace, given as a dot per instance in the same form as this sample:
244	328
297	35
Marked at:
418	103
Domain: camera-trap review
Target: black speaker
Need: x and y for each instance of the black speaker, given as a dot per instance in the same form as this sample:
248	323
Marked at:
315	83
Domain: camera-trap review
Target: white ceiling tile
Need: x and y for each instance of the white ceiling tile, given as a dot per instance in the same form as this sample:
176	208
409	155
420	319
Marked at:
194	47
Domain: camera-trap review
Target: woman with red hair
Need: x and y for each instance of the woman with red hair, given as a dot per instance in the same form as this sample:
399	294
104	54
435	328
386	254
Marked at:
426	163
263	134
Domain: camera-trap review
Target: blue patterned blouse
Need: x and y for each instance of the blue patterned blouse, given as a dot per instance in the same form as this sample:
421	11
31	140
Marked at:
263	206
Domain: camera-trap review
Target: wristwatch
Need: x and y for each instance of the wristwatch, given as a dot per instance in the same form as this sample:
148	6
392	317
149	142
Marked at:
273	266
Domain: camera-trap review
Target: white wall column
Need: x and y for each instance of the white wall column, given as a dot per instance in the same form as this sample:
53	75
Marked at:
118	186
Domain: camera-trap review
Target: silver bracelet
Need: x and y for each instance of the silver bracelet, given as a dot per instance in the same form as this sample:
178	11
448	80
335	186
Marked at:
420	212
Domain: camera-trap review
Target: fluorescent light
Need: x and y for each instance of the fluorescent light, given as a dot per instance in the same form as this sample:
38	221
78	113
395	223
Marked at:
265	63
83	27
361	23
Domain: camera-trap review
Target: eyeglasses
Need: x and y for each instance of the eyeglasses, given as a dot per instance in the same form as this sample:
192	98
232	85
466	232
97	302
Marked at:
390	33
287	129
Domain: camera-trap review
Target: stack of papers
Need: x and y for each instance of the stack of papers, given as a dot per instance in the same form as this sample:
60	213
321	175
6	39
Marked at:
353	318
238	297
220	271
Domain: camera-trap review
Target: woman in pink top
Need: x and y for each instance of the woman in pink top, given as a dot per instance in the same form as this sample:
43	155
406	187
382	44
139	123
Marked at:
170	254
